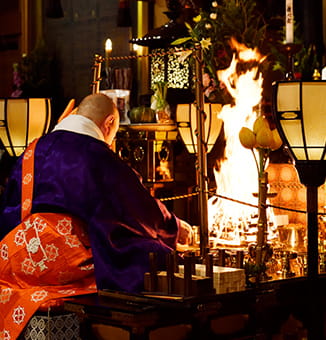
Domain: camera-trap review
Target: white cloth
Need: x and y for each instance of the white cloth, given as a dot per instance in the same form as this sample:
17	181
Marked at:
80	124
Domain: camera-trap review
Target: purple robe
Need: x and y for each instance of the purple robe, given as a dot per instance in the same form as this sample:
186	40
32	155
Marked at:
80	175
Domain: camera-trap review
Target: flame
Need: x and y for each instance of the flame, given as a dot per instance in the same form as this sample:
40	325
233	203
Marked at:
232	223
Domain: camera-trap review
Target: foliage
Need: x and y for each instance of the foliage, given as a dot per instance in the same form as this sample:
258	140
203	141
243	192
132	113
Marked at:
159	102
304	61
159	96
214	29
34	73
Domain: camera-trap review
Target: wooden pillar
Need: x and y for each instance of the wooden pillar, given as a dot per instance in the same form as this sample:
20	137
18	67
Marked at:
142	63
25	27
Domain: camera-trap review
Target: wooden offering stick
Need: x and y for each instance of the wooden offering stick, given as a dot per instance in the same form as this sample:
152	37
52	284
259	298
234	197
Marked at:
189	264
170	266
221	257
239	259
176	262
209	264
193	262
153	272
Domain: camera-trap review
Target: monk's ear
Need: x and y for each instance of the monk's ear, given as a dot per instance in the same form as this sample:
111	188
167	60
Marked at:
109	120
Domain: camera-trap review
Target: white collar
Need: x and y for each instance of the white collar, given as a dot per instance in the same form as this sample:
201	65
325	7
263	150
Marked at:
80	124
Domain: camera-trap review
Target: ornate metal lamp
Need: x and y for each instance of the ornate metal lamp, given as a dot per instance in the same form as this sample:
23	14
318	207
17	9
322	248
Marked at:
165	65
199	128
300	111
22	120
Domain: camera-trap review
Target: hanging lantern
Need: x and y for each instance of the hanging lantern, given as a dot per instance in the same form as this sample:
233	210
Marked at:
22	120
187	125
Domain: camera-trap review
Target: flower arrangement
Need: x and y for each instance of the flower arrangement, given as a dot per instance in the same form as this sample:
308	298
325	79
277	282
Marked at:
213	30
261	138
159	103
305	61
17	82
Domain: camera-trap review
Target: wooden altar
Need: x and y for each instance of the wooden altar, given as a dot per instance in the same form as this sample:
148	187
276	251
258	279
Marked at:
276	310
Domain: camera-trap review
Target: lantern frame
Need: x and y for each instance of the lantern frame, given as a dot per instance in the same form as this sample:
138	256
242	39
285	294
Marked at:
186	117
22	120
299	109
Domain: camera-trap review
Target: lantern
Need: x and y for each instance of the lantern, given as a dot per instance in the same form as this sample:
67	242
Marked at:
300	113
299	110
22	120
187	125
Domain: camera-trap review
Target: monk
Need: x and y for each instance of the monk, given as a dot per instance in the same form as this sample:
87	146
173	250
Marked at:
77	173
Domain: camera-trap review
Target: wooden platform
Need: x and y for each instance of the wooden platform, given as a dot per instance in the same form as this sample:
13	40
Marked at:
270	309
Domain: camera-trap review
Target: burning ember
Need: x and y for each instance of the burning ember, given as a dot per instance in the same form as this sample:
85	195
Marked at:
232	223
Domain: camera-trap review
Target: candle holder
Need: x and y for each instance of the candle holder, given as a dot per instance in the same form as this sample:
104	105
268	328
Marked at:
98	59
290	50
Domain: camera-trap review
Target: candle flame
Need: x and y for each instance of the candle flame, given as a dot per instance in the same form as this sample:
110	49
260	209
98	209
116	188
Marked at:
108	45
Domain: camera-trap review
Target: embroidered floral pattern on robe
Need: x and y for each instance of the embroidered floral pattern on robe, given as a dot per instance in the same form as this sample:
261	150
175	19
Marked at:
46	257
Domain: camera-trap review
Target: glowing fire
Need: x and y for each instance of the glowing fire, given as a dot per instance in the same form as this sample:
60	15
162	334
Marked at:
232	223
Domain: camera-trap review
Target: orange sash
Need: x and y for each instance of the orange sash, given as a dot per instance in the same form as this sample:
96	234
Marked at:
47	256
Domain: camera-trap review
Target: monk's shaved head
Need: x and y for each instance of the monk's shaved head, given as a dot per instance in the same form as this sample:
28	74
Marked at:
97	107
103	112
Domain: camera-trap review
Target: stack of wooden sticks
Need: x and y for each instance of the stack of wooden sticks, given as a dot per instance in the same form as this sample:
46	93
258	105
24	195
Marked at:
172	282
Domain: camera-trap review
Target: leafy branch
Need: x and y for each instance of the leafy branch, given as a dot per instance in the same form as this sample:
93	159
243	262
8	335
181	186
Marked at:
213	30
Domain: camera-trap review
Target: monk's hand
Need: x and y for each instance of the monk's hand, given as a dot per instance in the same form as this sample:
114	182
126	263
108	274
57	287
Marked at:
185	233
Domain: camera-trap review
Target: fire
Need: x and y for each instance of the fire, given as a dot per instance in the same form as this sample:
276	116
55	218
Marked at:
232	223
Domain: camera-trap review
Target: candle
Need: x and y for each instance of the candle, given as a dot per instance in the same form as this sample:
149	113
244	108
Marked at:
108	50
289	21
